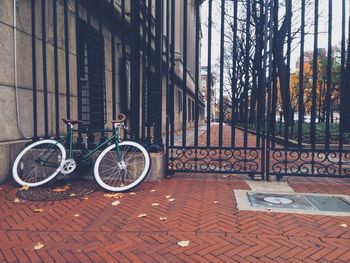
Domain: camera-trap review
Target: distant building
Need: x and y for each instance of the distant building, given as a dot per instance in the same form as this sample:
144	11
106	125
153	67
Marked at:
204	92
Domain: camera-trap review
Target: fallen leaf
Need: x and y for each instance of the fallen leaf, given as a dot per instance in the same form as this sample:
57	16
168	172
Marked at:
168	196
38	246
116	203
132	194
171	199
142	215
162	218
62	189
24	187
183	243
38	210
216	202
72	194
268	209
152	190
16	200
113	196
86	198
344	225
76	215
155	204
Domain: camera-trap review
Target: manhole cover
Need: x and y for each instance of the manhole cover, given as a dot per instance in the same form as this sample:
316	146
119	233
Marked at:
58	191
278	200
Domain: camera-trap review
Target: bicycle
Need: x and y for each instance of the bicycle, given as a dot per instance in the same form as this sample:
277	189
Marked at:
121	165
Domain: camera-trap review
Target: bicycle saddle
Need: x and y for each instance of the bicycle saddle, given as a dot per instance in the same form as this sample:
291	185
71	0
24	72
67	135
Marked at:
73	122
122	117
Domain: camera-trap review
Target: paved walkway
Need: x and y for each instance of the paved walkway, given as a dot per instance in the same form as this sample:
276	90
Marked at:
203	212
200	209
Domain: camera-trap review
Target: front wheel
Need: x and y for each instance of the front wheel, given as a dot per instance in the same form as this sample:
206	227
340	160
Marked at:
38	163
119	172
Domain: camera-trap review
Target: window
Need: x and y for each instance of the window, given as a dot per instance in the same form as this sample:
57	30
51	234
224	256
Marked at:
91	86
179	100
193	111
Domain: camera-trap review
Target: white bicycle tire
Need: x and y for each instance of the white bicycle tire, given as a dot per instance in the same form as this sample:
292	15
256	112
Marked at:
20	155
127	187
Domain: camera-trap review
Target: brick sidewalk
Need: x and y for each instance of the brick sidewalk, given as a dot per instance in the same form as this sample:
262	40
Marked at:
217	232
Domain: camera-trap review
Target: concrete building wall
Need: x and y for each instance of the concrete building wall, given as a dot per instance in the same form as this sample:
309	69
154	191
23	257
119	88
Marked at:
13	134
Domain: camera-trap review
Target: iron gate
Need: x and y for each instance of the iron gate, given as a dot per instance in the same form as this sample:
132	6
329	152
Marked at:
269	98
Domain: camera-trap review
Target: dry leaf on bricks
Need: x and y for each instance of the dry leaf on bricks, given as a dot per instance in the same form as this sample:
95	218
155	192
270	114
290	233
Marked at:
113	196
16	200
38	246
24	187
344	225
132	194
116	203
38	210
171	199
142	215
155	204
162	218
63	189
152	191
183	243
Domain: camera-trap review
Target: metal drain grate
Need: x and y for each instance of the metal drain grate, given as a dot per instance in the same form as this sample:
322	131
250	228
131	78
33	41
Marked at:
299	201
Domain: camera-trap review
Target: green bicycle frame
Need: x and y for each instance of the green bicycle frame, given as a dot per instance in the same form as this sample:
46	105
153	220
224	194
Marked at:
115	137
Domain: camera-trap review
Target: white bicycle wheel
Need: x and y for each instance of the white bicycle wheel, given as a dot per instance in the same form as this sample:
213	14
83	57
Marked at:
116	176
38	163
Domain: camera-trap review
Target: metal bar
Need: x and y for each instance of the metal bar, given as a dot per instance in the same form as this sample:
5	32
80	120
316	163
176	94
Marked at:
270	87
263	89
114	86
184	74
209	76
274	74
234	73
222	54
77	30
168	97
342	77
34	79
159	74
246	73
43	41
288	115
66	52
197	42
149	66
57	101
144	70
172	74
135	69
329	73
301	76
314	79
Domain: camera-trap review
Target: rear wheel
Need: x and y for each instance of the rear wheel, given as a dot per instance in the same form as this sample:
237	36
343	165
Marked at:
117	175
38	163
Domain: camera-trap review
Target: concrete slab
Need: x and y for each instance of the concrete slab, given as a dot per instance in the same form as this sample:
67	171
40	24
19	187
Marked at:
269	186
243	203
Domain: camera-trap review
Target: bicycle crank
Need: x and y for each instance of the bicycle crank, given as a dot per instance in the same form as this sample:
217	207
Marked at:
68	166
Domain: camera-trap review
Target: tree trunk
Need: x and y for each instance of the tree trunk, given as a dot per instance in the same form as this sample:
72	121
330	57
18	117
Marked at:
282	66
345	111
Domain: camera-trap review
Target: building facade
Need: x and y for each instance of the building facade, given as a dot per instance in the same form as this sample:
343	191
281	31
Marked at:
90	60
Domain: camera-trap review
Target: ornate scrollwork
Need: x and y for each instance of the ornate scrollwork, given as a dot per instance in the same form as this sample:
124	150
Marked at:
215	159
307	162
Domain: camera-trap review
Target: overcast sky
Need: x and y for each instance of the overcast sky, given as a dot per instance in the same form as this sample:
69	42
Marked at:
323	28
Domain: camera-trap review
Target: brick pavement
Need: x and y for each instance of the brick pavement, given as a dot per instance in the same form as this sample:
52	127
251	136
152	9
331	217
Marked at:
204	212
217	232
